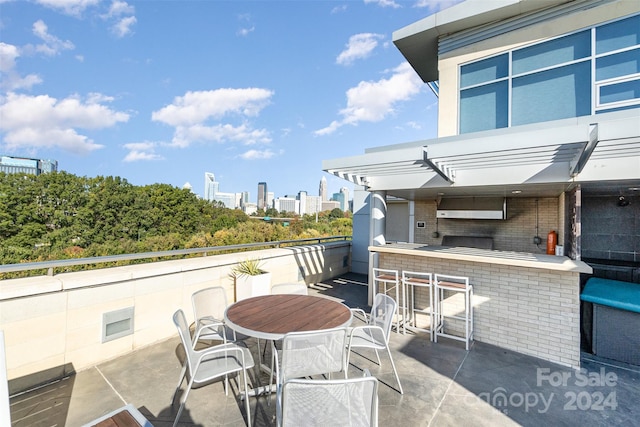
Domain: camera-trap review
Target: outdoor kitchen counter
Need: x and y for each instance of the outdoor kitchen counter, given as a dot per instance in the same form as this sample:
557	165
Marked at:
519	259
529	303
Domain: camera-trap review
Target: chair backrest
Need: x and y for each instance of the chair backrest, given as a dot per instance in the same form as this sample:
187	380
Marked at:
352	402
180	321
289	288
313	353
209	303
382	311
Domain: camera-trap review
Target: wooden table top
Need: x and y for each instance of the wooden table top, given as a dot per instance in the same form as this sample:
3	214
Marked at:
272	316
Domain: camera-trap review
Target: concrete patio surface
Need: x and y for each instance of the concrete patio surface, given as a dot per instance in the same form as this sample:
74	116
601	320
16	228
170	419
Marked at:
444	385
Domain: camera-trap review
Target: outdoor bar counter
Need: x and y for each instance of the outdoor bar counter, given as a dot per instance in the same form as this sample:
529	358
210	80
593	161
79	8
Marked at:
529	303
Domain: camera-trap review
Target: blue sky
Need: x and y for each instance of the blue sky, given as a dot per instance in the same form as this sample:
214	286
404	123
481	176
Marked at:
163	91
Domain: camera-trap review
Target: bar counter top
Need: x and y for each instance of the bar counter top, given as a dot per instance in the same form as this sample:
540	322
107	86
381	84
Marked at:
520	259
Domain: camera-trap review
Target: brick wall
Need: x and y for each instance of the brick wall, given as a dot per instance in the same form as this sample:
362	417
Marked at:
513	234
528	310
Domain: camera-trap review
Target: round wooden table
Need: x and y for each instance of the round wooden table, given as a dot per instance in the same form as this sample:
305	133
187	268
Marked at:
270	317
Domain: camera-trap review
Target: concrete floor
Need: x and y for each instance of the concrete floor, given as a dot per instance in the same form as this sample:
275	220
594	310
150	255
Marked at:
444	385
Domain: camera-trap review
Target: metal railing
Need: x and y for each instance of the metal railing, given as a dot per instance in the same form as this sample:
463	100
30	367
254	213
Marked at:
51	265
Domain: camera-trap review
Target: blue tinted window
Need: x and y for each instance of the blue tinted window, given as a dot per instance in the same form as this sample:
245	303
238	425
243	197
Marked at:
484	71
618	35
609	110
624	91
619	64
554	94
484	107
554	52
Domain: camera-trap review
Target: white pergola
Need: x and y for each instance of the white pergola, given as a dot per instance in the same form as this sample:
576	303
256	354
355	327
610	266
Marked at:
599	152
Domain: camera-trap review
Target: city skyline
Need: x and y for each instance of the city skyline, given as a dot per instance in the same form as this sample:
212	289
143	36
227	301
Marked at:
162	92
301	203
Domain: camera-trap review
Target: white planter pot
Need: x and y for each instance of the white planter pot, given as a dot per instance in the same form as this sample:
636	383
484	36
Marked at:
252	286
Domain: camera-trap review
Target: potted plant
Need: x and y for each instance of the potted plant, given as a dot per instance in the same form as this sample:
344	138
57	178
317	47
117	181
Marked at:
250	279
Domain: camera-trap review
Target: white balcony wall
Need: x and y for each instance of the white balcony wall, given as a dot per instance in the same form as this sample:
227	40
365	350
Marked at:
53	324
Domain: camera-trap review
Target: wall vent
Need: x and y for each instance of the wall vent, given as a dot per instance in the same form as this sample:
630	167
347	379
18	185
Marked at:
117	324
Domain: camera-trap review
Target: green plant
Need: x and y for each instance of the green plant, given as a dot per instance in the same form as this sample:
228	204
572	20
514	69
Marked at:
249	267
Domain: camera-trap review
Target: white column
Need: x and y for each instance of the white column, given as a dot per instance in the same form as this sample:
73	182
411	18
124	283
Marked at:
378	225
412	221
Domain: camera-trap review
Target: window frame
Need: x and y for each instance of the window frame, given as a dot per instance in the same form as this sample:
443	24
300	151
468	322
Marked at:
596	107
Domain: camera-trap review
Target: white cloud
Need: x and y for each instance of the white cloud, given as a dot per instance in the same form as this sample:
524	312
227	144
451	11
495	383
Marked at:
141	151
120	14
9	78
52	45
243	32
119	8
123	26
374	101
8	55
198	116
186	135
69	7
339	9
436	5
43	121
257	154
360	46
196	107
383	3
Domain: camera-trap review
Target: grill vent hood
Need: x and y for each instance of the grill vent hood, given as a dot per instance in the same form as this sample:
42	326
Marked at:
472	208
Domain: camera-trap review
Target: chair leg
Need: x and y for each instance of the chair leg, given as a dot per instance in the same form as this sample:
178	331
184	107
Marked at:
183	373
394	369
183	402
246	396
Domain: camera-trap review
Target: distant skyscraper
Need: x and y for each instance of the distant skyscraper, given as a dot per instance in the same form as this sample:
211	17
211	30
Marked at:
212	192
323	192
313	204
244	201
10	164
286	204
262	195
210	186
339	197
345	191
302	197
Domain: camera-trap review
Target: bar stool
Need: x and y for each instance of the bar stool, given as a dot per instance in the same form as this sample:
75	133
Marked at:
386	277
453	284
411	280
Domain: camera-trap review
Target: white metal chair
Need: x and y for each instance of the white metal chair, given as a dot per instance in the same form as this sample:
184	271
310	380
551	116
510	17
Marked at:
340	402
290	288
377	330
309	353
389	281
204	366
412	281
209	305
456	284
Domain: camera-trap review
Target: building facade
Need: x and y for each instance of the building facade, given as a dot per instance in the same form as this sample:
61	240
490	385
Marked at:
9	164
323	192
262	196
538	108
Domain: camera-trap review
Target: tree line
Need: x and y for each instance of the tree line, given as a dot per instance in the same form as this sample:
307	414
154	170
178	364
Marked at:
60	215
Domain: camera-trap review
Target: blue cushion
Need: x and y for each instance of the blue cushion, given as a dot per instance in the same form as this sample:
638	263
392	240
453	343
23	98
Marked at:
612	293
